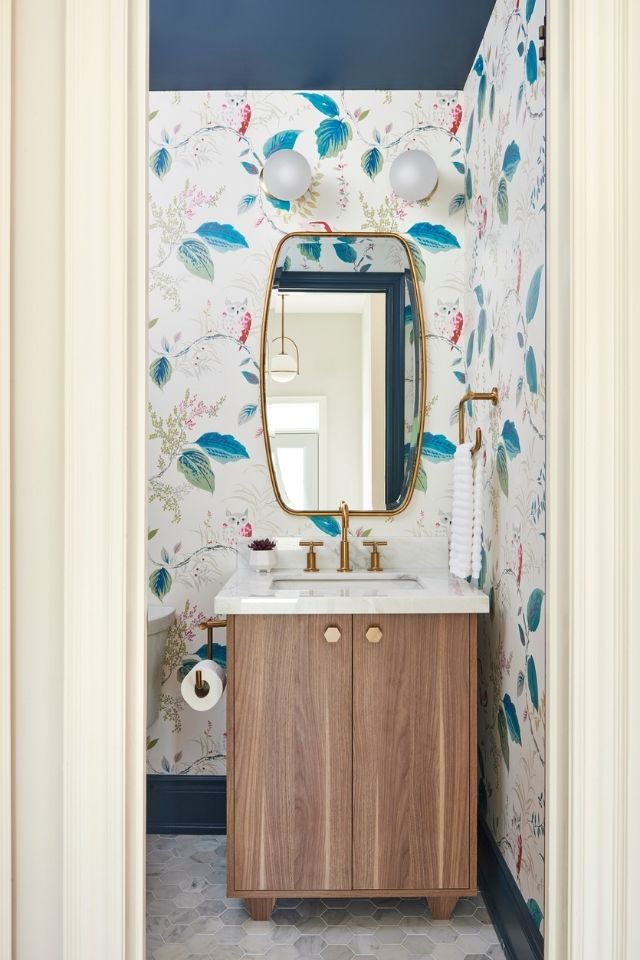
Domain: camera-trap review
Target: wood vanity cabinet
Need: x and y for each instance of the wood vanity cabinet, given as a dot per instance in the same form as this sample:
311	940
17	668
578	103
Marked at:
351	757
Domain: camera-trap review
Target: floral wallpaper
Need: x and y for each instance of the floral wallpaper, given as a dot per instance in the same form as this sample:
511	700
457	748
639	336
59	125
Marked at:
212	236
504	103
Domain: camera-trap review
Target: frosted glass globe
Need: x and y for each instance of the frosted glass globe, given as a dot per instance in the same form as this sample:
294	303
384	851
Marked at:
414	175
283	367
287	175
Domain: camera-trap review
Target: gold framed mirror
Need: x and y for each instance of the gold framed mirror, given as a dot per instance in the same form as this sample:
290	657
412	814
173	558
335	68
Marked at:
343	373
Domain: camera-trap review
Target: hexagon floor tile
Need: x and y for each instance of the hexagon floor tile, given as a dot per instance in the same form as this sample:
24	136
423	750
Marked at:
189	917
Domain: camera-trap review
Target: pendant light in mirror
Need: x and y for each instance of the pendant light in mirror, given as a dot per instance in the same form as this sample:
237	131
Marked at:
414	175
284	365
287	175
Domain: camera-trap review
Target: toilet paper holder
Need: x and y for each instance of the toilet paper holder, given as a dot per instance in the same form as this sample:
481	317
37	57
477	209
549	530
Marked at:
202	687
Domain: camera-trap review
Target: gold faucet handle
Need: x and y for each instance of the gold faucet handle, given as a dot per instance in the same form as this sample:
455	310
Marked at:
311	566
374	566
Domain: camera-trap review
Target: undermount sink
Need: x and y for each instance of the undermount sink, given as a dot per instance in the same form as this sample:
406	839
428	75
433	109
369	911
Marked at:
353	582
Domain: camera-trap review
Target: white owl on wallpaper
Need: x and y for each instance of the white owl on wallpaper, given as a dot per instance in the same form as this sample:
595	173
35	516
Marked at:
447	111
236	111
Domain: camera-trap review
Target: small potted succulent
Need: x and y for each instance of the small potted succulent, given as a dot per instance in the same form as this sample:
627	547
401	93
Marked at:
263	555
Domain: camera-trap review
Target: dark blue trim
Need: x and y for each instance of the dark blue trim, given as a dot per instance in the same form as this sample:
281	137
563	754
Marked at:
325	45
181	804
516	928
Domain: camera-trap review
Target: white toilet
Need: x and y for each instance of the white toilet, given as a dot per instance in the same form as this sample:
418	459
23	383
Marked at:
159	620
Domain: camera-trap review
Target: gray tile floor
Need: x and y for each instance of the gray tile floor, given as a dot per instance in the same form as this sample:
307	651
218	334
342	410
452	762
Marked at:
190	918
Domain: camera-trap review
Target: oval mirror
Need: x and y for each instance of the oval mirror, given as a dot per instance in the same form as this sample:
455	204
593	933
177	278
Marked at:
343	367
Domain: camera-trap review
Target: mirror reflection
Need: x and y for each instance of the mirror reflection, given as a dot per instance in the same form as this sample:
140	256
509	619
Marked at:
343	373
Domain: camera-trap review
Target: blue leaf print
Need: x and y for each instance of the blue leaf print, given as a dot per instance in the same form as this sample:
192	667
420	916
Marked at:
433	237
332	136
479	65
250	168
530	8
511	439
322	103
328	525
459	375
219	654
372	162
247	412
512	719
160	582
531	371
418	260
195	256
160	162
520	48
534	609
469	132
284	140
511	160
532	63
460	167
345	252
311	250
468	184
160	371
277	203
457	203
196	468
482	94
482	329
533	295
250	377
534	909
247	202
470	348
479	292
502	201
503	469
437	448
222	447
221	236
492	350
532	680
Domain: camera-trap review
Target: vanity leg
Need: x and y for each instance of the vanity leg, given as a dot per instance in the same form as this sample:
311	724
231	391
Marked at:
260	908
441	907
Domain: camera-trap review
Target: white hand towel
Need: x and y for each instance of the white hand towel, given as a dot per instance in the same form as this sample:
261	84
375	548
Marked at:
478	513
462	513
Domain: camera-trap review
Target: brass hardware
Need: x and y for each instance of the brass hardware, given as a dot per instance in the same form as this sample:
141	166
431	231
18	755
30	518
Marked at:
492	396
303	234
311	566
332	634
374	566
374	634
344	539
202	689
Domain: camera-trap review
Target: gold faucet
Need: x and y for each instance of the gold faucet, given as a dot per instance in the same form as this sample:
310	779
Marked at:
344	540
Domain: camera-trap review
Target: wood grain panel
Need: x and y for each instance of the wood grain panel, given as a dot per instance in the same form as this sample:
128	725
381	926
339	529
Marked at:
411	801
292	753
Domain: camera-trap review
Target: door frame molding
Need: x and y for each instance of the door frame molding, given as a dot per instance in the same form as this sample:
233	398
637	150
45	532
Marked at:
593	746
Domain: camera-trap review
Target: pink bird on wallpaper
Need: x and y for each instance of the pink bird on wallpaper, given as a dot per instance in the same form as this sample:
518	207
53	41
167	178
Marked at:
456	120
322	223
245	327
236	112
458	323
449	320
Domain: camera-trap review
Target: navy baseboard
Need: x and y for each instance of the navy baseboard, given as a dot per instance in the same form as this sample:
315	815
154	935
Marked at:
516	927
186	804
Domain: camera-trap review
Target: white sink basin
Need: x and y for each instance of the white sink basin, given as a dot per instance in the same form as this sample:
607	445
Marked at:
360	584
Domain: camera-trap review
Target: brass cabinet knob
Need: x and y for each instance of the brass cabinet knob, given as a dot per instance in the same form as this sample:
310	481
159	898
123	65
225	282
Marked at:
332	634
374	566
374	634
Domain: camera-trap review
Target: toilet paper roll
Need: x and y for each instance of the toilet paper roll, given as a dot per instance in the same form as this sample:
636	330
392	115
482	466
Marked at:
214	676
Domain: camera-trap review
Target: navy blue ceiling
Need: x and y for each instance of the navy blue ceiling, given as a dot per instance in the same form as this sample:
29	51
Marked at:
327	44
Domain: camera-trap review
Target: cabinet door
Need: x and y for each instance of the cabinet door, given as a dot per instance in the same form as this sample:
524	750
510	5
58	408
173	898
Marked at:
411	776
292	753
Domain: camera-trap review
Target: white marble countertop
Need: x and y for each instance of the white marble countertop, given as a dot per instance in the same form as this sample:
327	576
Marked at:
286	590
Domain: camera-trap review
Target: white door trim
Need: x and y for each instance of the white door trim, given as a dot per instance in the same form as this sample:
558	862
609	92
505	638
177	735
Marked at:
6	705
